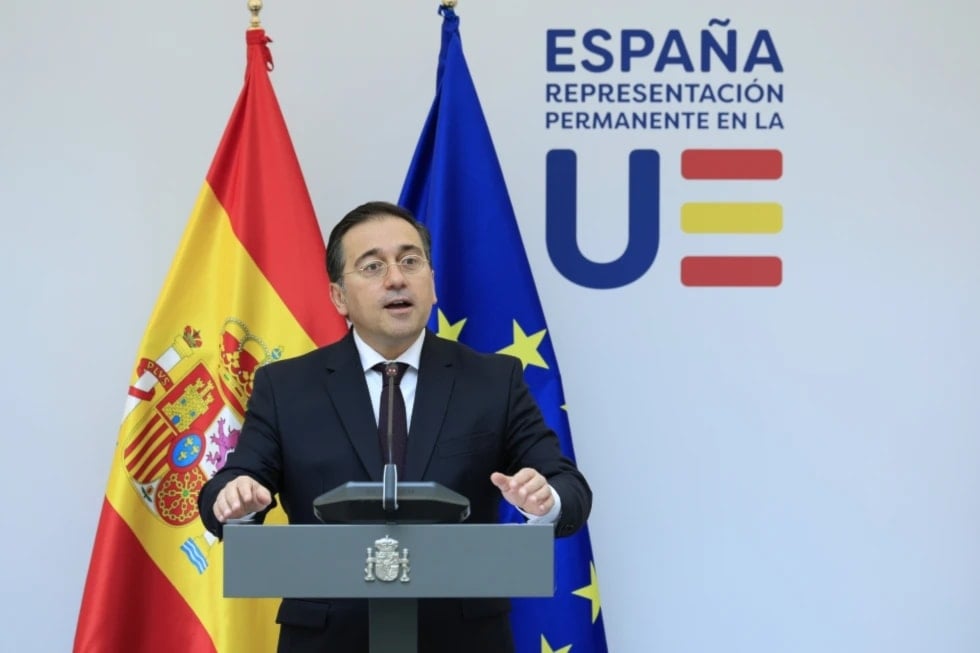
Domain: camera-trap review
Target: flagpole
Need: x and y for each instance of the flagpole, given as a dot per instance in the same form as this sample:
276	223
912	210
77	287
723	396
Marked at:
255	6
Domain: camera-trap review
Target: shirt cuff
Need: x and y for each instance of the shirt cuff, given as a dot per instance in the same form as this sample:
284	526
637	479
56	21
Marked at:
244	519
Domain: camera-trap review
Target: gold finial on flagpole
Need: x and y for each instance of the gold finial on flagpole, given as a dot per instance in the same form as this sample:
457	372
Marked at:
451	4
254	6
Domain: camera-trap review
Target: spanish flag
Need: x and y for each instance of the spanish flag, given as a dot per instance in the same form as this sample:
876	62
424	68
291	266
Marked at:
248	286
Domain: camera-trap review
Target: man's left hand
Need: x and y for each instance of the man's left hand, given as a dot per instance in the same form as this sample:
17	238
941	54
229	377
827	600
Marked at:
527	490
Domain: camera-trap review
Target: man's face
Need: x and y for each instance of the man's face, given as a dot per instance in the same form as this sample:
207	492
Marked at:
388	311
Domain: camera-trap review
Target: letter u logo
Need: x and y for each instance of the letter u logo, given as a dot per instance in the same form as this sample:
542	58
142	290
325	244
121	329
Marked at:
561	219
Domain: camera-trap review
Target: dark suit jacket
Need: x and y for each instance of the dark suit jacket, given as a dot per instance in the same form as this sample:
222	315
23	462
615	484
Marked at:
310	427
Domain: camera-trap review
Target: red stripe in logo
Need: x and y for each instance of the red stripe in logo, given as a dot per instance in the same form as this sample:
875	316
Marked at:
732	164
745	271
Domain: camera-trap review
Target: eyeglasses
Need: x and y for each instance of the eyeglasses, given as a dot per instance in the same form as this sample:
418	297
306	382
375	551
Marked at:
378	269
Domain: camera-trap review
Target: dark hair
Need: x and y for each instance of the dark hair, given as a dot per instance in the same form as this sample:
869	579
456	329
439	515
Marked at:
363	213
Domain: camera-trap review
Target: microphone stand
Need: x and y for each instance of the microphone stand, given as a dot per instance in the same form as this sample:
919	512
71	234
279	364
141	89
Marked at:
389	479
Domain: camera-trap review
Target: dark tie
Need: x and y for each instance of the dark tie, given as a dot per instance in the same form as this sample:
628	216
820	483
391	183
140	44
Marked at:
391	395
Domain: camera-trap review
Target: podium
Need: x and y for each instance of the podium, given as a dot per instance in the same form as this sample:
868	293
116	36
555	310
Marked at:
354	561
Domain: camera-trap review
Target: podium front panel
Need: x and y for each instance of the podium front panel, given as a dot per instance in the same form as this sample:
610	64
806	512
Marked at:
443	561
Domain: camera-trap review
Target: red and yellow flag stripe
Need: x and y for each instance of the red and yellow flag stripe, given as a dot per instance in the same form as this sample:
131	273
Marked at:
247	286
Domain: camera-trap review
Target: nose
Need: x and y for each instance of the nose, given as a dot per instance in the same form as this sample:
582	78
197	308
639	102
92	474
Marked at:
394	276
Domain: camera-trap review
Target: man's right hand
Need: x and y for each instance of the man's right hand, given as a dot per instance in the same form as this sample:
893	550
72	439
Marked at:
240	496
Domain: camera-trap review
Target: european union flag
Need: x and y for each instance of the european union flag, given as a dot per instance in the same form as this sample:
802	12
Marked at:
487	299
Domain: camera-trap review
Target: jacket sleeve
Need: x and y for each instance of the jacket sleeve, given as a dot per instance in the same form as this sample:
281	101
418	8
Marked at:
257	453
531	443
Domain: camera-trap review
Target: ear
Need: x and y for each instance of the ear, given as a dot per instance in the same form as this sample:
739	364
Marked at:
339	298
435	300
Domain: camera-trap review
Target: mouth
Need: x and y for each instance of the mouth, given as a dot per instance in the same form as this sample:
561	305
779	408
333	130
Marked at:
398	305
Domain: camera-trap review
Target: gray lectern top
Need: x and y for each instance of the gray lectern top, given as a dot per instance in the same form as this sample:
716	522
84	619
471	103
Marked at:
360	561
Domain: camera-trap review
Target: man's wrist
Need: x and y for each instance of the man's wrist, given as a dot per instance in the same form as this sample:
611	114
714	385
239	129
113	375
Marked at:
549	517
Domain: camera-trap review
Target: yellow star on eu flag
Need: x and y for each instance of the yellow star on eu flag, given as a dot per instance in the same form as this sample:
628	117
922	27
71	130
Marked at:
526	346
447	330
591	592
546	647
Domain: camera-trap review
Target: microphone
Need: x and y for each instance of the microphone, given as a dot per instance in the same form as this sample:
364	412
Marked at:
389	479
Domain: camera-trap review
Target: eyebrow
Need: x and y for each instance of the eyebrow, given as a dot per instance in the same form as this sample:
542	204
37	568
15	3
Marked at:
375	252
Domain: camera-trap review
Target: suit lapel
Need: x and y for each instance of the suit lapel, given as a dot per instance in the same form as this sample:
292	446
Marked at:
347	389
435	385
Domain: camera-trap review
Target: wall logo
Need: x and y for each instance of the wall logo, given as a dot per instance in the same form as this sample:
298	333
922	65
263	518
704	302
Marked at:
732	100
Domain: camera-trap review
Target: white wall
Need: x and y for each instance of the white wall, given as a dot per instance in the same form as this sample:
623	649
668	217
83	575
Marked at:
800	474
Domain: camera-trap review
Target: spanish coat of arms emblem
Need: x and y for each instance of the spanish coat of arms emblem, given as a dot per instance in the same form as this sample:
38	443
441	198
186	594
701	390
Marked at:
384	563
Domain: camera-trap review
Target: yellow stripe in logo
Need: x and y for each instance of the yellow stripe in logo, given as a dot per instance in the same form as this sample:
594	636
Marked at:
732	217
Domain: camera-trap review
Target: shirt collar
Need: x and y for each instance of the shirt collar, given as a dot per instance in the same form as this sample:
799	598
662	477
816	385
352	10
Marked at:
369	357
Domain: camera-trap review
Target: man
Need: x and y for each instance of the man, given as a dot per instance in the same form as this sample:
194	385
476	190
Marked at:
311	425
